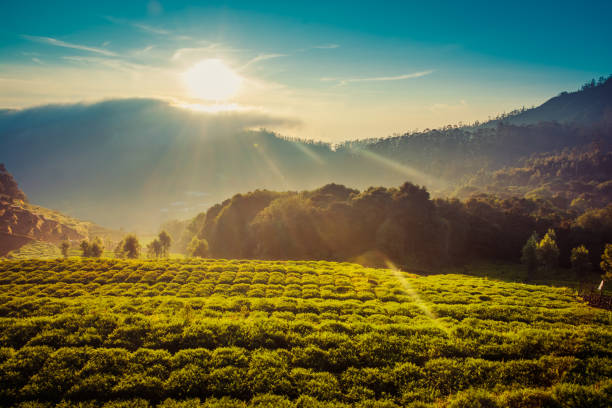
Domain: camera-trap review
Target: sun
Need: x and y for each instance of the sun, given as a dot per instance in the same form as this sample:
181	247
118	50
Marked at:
212	80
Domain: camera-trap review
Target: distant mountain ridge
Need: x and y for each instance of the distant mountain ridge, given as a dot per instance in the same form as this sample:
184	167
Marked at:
591	104
139	162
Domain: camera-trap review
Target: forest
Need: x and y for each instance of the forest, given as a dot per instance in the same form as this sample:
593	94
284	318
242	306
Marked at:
402	225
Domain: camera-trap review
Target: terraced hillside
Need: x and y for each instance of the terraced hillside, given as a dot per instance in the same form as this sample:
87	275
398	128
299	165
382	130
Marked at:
221	333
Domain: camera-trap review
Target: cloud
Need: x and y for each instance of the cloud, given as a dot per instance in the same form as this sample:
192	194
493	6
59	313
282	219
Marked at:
437	107
343	81
59	43
113	63
144	50
326	46
181	52
197	194
150	29
262	57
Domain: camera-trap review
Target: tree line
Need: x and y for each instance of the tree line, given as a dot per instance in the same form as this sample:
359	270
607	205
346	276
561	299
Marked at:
402	225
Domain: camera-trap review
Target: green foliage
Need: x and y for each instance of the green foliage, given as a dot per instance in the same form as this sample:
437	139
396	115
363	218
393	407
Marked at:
581	263
243	333
198	248
402	225
64	247
36	249
529	255
165	242
547	251
154	248
91	249
128	247
606	262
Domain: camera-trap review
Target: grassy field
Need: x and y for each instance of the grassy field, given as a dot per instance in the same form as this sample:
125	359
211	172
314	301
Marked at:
46	250
36	249
218	333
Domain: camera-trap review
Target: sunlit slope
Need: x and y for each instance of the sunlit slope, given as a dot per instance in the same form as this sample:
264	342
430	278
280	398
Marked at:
301	334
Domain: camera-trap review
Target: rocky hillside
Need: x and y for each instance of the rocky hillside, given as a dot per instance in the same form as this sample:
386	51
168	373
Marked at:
9	190
21	222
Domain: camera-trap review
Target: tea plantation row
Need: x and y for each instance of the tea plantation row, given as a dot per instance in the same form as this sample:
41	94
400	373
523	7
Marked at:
106	332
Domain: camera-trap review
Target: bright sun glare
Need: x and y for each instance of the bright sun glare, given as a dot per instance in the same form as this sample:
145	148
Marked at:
212	80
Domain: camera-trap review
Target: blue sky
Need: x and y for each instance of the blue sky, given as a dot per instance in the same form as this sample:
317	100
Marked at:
341	69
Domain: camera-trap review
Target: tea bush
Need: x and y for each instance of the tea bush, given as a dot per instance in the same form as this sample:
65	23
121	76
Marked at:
244	333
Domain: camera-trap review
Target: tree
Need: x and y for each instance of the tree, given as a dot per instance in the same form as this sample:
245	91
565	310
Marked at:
119	253
547	251
606	262
84	248
131	246
165	241
154	249
96	248
64	247
198	248
530	255
581	264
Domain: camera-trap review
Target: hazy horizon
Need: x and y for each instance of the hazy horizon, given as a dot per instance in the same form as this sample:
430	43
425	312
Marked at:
316	69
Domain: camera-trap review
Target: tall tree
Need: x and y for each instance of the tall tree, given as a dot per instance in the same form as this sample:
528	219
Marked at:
606	262
64	247
96	248
165	242
548	251
529	256
198	248
154	249
581	263
85	251
131	246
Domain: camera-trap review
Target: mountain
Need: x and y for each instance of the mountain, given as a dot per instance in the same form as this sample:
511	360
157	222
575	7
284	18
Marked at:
136	163
591	104
22	222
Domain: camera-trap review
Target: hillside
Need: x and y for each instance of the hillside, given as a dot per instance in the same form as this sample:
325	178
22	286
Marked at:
591	104
9	190
22	223
161	162
578	179
292	334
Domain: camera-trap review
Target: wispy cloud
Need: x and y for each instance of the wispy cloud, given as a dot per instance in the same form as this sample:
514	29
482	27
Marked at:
343	81
114	63
36	60
59	43
144	50
149	28
326	46
262	57
181	52
437	107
